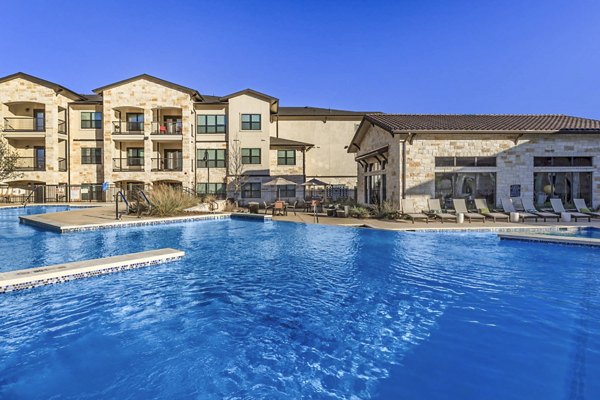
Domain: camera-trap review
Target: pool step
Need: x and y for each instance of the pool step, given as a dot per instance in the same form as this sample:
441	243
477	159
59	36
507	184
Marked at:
33	277
532	237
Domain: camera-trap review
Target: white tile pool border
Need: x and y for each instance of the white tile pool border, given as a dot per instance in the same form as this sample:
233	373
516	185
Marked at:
34	277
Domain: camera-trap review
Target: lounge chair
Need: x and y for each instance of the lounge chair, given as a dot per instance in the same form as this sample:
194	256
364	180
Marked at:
558	207
267	207
509	207
408	210
583	208
460	205
482	207
435	209
528	206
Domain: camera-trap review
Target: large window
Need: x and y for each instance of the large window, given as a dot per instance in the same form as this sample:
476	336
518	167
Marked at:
465	162
250	156
135	156
91	120
286	190
212	124
91	155
251	122
286	157
562	161
465	185
217	189
251	190
563	185
211	158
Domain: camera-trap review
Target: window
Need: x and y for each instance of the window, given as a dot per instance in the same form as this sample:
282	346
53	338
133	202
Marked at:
251	122
211	124
465	185
562	162
286	190
135	156
251	191
562	185
91	155
91	120
210	158
286	157
250	156
135	122
217	189
465	162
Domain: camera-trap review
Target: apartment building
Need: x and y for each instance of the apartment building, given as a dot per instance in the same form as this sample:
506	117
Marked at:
477	156
144	130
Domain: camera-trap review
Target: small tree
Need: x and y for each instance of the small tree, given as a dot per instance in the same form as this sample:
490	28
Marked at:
237	176
8	160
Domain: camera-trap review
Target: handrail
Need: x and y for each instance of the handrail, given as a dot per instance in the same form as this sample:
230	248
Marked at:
29	197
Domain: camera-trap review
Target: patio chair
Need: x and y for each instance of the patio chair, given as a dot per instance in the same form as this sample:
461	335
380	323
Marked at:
583	208
460	205
295	206
267	207
558	207
408	210
482	207
435	209
279	208
509	207
527	205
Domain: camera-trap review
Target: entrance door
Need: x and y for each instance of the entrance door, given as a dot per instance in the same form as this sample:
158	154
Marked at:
39	158
39	120
173	160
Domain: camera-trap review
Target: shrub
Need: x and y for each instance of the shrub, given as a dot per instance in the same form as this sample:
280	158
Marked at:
168	201
359	212
385	211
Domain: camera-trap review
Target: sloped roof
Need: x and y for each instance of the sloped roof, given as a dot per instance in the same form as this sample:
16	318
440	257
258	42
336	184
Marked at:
276	141
185	89
55	86
253	93
483	122
318	112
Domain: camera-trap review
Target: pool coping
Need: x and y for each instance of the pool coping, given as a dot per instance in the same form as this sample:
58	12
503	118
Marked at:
555	239
58	273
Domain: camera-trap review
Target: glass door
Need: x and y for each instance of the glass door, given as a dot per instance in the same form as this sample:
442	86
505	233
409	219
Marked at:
173	160
39	158
39	120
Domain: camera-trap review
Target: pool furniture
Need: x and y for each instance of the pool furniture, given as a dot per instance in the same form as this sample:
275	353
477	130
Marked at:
279	208
435	209
482	207
583	208
528	206
509	207
267	207
558	207
460	205
408	210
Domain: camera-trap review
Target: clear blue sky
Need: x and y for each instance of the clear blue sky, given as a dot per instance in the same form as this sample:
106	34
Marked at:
509	56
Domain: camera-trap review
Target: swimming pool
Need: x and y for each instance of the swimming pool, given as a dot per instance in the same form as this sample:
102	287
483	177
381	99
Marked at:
285	310
589	232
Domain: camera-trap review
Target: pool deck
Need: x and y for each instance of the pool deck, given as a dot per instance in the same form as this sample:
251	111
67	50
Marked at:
102	216
48	275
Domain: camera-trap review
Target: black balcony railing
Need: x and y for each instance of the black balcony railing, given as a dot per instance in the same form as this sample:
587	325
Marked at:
62	164
31	164
128	164
167	164
167	128
24	124
128	128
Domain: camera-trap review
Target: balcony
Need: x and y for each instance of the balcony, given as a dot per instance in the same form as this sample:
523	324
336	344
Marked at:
167	164
128	128
167	128
31	164
24	124
62	126
128	164
62	164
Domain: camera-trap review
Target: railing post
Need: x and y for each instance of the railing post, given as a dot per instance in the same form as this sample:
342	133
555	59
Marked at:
117	206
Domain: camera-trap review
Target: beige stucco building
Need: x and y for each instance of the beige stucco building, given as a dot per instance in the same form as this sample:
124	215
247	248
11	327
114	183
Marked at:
145	130
477	156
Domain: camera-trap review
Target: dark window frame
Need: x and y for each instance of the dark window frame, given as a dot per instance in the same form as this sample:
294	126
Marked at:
93	157
92	122
465	162
254	122
285	159
250	191
216	158
251	158
211	188
550	162
207	128
286	190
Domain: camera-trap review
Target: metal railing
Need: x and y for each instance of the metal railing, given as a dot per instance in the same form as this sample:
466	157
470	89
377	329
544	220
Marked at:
167	128
128	164
30	164
128	128
167	164
24	124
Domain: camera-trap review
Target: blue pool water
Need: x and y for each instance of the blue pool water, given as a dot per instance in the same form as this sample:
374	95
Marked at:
592	233
284	311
